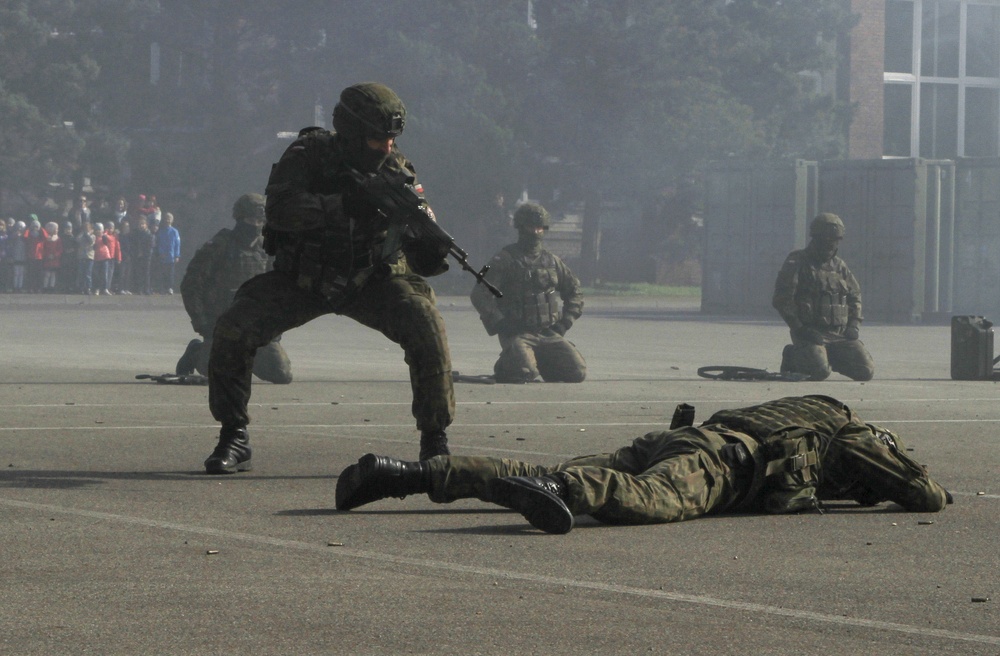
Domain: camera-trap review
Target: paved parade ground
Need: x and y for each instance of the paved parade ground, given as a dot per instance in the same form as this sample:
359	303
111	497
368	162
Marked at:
114	541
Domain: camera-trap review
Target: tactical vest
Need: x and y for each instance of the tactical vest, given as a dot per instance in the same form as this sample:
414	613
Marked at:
822	413
237	264
340	256
531	300
785	439
241	263
822	295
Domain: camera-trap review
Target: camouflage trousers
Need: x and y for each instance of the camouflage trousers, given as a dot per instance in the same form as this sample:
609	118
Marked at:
847	357
401	307
665	476
271	363
526	356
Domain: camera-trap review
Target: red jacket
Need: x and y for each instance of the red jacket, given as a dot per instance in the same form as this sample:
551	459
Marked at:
102	248
114	247
52	250
36	243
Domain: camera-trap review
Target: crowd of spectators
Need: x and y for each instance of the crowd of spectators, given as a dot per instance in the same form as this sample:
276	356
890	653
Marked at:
96	248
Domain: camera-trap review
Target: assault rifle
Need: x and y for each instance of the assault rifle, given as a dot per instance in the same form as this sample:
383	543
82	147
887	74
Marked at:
395	195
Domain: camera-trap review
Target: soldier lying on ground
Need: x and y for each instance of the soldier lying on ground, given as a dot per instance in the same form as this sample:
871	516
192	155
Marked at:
780	456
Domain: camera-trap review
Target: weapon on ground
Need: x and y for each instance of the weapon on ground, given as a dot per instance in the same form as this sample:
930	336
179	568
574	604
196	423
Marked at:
401	201
723	372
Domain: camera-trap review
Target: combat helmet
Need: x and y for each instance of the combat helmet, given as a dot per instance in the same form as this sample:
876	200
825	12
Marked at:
369	110
531	215
827	225
248	206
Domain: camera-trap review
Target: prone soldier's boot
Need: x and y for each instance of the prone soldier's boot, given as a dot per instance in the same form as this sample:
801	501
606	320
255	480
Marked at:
232	454
380	477
433	443
186	365
540	499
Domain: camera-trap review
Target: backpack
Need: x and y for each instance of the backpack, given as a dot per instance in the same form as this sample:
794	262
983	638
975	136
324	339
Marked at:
790	460
786	461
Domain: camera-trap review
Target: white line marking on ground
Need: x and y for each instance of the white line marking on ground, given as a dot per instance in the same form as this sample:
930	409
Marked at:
458	425
699	600
334	403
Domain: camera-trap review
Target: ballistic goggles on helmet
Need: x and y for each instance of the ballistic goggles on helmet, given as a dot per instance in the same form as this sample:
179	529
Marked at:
393	126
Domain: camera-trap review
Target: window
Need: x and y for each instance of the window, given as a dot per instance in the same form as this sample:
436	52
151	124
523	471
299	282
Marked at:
942	78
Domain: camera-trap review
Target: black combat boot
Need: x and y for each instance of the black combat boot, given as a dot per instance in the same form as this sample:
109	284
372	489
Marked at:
433	443
232	453
380	477
541	499
786	359
186	365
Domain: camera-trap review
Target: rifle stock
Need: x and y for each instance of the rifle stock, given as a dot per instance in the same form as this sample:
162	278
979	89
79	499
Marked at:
398	199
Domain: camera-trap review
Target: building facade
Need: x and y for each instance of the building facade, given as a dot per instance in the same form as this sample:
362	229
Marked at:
925	77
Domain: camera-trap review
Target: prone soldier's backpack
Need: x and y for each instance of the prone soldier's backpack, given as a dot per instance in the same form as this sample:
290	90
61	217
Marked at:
788	471
786	461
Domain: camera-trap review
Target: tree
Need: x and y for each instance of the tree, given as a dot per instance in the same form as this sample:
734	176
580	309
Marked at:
49	92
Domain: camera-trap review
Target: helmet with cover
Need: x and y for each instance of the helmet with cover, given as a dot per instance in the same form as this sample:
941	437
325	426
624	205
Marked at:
530	216
827	225
369	110
249	206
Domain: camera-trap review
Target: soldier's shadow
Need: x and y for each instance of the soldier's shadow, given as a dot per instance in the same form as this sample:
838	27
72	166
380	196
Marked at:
68	480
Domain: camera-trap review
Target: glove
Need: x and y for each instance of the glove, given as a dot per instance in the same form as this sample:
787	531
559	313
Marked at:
852	333
425	257
560	327
810	335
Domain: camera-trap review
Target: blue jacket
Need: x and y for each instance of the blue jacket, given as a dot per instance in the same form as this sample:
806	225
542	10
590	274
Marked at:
168	243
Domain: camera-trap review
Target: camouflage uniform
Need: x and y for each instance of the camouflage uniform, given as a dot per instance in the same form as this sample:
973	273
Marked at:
820	300
210	281
670	476
330	258
528	318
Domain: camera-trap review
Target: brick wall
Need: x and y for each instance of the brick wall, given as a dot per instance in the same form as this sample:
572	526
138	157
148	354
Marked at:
865	67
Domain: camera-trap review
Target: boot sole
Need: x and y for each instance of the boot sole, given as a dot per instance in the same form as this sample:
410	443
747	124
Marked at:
217	468
543	510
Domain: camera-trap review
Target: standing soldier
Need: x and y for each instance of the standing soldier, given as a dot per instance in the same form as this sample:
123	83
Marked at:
820	300
334	254
211	279
540	303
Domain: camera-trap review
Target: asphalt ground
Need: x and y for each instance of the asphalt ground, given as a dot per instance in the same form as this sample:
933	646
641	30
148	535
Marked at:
114	541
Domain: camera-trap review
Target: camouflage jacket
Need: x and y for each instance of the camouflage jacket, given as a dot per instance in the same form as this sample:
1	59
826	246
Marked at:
214	274
825	297
534	285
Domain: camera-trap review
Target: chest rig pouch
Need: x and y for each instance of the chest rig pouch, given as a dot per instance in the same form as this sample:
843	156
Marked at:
787	470
534	303
826	297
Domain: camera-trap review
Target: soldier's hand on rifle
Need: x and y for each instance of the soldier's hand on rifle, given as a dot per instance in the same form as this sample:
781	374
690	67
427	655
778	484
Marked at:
560	327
